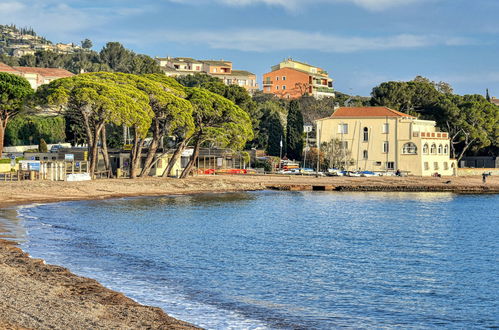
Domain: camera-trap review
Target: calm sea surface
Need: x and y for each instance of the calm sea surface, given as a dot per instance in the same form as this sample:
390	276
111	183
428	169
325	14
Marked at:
295	260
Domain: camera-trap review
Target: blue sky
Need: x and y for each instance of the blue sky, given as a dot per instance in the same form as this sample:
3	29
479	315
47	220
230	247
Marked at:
359	42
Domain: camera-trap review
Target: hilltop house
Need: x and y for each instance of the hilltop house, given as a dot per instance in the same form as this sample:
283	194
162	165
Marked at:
382	139
180	66
292	79
36	76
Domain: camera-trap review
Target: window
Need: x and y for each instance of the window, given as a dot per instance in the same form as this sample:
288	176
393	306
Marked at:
283	77
446	166
435	166
366	134
378	163
440	148
343	145
409	148
425	149
214	69
277	87
277	78
446	149
267	89
390	165
426	166
343	128
284	87
386	147
365	154
386	128
433	149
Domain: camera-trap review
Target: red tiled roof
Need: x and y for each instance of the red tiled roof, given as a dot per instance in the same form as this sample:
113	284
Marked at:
46	72
5	68
368	112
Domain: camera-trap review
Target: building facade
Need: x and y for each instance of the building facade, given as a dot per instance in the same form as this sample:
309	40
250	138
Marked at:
292	79
181	66
382	139
36	76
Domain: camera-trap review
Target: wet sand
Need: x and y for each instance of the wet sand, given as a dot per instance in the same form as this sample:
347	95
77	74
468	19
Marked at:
34	295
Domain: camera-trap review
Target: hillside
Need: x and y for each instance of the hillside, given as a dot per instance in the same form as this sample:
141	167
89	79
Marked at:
18	42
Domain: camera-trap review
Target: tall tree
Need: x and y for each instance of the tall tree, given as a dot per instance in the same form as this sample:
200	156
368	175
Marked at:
411	97
294	132
471	121
487	96
218	120
271	128
14	91
86	44
97	103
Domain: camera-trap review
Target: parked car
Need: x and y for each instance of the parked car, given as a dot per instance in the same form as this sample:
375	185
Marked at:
56	148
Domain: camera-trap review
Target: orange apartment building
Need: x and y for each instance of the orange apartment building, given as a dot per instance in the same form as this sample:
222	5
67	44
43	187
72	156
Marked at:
180	66
292	79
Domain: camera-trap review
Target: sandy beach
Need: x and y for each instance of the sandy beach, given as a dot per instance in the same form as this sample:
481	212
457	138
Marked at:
34	295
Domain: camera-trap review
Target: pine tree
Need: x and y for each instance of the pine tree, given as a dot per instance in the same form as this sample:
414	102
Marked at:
487	96
42	146
294	129
275	133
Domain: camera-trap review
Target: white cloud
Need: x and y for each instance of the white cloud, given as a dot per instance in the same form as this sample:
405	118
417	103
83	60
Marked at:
278	40
59	20
374	5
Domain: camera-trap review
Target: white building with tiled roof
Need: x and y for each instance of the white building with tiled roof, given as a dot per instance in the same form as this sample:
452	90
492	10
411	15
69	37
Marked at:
383	139
36	76
181	66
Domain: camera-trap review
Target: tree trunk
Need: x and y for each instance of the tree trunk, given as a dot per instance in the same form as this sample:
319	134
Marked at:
466	146
191	163
94	148
105	153
153	148
176	155
136	155
3	124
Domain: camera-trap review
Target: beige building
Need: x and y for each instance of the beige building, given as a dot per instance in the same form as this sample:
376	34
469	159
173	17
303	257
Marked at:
382	139
181	66
36	76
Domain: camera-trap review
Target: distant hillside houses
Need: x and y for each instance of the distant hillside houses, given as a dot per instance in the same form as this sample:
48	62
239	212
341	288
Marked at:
36	76
181	66
19	42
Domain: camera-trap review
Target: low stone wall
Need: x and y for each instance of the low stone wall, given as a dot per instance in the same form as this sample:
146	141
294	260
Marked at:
5	168
477	171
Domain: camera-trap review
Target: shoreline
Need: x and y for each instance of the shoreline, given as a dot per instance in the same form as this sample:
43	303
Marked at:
36	295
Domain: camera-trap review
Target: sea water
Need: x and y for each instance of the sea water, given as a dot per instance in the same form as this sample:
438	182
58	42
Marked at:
294	260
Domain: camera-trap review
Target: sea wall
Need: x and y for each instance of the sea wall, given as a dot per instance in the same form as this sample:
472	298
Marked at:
476	171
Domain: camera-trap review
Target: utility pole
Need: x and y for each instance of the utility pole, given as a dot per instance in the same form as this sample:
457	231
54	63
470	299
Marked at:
280	154
318	150
307	128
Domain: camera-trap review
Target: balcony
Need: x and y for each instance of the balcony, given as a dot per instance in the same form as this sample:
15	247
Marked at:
323	89
267	83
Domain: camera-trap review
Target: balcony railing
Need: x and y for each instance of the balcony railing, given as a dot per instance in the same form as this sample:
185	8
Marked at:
267	83
324	90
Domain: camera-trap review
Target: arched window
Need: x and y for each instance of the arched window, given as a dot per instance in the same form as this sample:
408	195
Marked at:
409	148
365	154
433	149
440	148
446	149
366	134
425	149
